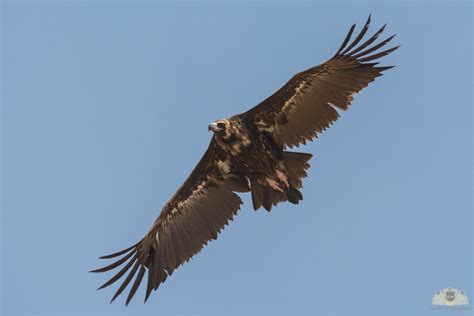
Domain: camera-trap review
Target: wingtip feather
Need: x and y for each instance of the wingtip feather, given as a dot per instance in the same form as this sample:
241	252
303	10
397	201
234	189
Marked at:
118	253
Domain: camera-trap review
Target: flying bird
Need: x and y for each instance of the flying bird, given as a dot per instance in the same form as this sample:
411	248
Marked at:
248	152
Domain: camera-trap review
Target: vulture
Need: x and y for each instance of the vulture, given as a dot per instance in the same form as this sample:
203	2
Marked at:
249	152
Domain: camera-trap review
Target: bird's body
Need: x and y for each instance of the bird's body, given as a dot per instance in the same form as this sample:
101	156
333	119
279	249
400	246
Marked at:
249	153
252	157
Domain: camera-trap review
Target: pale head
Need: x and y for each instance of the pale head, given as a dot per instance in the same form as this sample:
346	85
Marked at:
221	128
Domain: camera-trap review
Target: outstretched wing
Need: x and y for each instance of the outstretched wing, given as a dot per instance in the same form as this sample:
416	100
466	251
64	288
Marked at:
197	212
306	105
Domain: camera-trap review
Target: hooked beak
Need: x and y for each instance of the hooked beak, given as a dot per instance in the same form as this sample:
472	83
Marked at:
213	127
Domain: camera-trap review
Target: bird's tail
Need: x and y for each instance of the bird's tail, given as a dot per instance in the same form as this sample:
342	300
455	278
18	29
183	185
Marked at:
296	165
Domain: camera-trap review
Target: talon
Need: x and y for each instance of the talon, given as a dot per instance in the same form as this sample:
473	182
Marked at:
273	184
283	178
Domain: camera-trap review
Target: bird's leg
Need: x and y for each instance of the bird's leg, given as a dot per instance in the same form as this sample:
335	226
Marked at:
283	178
273	184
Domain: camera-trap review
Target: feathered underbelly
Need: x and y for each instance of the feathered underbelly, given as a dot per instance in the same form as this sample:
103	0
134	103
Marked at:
255	163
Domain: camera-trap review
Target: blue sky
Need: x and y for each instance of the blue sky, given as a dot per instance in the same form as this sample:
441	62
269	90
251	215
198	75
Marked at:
105	107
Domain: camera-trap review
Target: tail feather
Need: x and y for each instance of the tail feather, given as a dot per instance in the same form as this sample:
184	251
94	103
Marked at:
257	194
267	199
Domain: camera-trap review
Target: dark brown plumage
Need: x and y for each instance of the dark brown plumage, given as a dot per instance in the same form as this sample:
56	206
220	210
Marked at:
247	154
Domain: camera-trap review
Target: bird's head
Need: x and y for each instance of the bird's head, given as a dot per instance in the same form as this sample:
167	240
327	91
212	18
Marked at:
221	128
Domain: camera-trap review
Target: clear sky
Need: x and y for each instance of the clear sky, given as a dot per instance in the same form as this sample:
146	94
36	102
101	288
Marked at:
105	112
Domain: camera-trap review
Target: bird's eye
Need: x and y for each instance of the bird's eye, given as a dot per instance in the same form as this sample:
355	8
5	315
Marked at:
221	125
